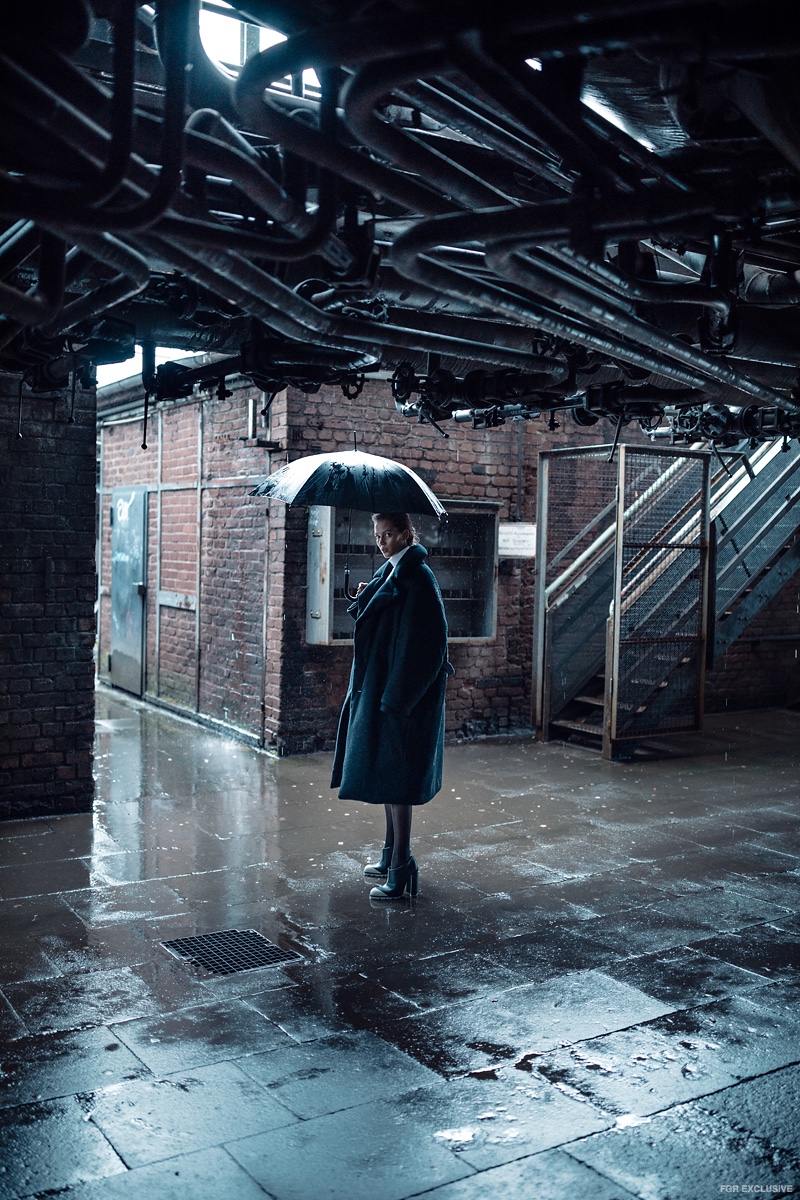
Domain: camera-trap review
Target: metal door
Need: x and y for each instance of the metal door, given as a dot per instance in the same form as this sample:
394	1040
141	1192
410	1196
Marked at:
128	587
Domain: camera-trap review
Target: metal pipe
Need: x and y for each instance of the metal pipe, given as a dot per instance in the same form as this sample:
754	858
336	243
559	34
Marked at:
74	128
554	221
216	147
264	117
176	20
33	100
314	233
505	82
75	204
361	96
104	186
603	275
409	257
768	289
232	277
524	272
362	40
42	302
289	314
16	244
133	278
457	114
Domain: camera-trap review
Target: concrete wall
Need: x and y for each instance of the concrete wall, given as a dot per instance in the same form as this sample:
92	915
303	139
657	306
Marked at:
47	597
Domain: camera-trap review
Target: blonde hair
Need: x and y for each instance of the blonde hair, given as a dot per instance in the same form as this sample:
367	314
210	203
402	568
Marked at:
399	521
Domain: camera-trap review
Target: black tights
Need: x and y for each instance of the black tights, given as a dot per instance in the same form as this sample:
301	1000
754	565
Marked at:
398	832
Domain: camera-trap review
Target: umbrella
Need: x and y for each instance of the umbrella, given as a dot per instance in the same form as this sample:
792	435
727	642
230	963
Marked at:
351	479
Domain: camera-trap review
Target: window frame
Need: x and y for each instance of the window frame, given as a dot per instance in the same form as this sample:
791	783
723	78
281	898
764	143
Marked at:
321	570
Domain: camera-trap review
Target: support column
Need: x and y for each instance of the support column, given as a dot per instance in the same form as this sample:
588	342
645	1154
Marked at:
47	598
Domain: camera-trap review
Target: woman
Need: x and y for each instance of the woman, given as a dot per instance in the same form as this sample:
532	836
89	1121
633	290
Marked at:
391	731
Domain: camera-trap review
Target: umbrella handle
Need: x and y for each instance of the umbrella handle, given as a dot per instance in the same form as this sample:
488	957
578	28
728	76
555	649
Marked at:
348	594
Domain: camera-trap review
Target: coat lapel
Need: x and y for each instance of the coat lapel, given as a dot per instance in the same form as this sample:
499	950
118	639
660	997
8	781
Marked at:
379	592
382	589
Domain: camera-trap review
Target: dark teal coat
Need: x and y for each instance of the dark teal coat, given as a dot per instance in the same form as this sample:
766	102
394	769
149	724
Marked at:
391	732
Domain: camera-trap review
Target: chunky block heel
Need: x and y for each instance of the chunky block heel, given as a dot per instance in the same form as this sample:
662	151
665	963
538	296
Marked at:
399	880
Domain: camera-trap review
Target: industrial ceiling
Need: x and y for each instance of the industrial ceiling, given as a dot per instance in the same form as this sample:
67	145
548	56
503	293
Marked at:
517	210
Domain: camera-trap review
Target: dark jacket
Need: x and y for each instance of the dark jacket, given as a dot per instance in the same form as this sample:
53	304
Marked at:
391	732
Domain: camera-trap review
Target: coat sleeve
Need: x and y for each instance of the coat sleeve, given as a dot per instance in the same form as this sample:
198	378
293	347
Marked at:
420	650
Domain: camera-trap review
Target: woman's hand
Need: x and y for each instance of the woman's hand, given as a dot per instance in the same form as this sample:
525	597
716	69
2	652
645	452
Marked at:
360	589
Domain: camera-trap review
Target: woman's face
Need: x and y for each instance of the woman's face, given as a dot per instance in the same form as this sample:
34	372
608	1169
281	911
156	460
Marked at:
390	540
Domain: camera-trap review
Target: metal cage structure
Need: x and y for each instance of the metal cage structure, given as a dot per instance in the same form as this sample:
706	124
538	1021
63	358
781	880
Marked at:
622	594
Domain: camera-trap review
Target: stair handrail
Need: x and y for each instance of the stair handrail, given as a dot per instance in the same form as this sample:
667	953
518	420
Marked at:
606	539
637	586
745	473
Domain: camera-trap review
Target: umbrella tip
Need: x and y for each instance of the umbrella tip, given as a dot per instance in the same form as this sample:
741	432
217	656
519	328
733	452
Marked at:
355	440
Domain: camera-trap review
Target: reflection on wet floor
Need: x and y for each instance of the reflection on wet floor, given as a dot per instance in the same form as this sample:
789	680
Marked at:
595	994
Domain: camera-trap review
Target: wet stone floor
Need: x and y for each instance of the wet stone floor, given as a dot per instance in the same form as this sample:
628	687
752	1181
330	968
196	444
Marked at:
594	995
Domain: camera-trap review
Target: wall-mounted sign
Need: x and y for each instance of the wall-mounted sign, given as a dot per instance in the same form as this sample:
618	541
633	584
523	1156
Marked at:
516	539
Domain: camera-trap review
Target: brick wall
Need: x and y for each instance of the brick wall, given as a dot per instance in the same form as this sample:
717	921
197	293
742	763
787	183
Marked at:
47	596
242	658
491	691
758	670
206	656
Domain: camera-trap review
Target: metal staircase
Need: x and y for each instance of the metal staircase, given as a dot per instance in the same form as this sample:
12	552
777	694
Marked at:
650	567
757	523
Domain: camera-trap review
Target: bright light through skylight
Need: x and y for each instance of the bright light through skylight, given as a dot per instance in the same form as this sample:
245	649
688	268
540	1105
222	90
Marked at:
224	43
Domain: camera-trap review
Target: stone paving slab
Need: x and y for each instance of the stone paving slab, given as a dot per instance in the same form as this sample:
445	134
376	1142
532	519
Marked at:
63	1064
324	1001
610	949
200	1035
51	1145
492	1121
768	950
685	1154
684	977
203	1175
357	1154
533	1018
147	1120
549	1176
334	1073
767	1107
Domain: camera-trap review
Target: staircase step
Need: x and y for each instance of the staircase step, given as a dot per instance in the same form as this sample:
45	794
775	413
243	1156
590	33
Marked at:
595	701
578	727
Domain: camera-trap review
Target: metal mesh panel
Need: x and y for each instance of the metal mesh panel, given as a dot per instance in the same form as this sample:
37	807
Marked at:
581	516
577	634
582	488
661	594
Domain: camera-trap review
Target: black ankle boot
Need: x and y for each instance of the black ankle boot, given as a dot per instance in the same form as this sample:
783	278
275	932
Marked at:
400	880
380	870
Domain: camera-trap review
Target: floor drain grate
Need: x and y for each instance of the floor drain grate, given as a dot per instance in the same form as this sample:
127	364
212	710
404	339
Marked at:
230	951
